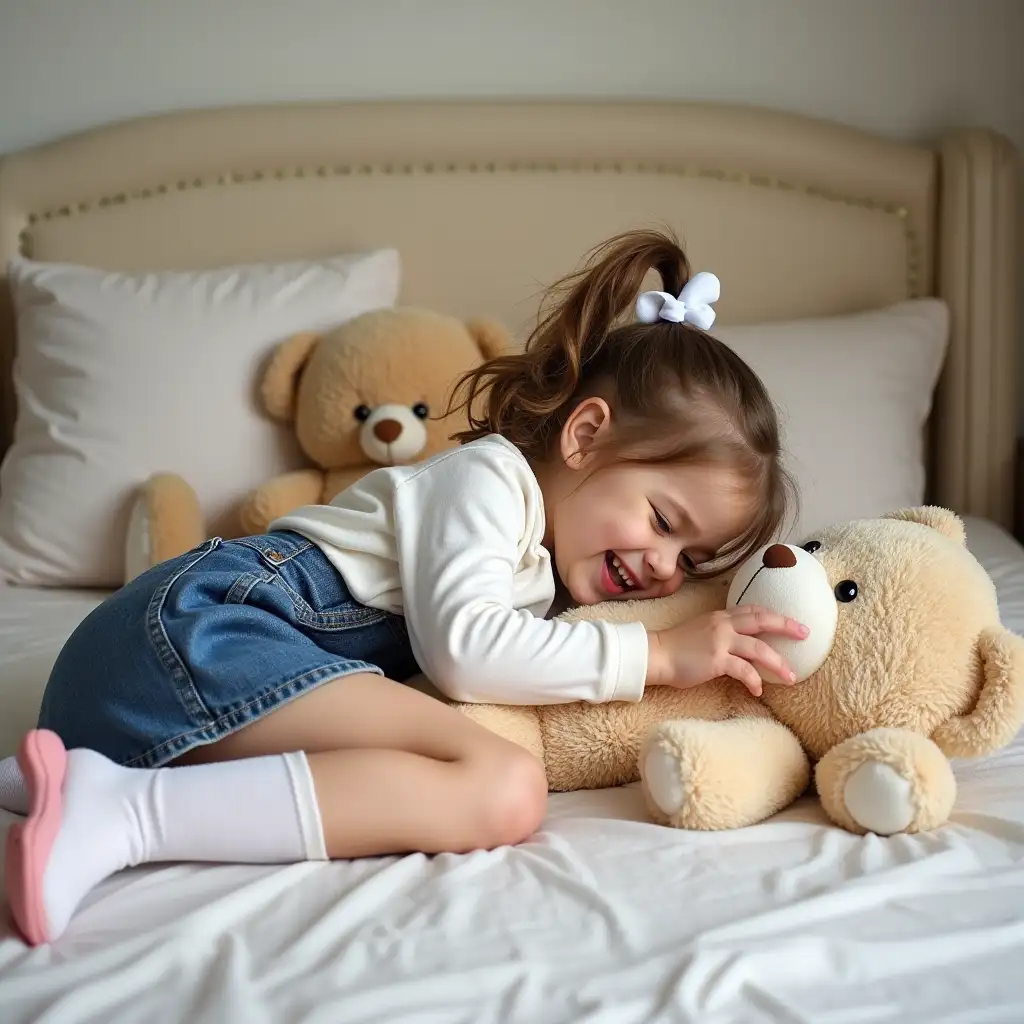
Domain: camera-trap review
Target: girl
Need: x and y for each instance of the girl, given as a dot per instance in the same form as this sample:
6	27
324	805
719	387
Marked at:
610	461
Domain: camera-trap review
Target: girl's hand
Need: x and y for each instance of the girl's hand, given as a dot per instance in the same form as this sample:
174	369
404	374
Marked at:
723	643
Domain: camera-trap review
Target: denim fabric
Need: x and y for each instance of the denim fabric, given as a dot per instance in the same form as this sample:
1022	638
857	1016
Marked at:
202	645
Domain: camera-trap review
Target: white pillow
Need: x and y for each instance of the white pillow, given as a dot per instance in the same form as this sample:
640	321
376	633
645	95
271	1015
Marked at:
854	393
122	375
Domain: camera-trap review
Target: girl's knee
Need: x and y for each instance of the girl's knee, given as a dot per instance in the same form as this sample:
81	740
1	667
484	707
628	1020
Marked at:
513	797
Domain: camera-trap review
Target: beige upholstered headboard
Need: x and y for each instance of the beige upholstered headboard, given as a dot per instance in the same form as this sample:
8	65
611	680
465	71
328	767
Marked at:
489	202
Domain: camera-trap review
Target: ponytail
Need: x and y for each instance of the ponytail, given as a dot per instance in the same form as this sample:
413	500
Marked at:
521	395
676	393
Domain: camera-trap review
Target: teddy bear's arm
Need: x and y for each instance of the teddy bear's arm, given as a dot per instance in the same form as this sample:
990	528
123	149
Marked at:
278	497
999	710
338	480
886	781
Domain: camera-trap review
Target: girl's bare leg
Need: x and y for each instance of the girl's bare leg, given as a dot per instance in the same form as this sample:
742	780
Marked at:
386	769
397	771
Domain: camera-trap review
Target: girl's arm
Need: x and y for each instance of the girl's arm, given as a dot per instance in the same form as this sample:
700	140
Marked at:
462	527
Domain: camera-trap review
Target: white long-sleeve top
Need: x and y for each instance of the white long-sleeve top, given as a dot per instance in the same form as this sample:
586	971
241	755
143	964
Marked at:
455	544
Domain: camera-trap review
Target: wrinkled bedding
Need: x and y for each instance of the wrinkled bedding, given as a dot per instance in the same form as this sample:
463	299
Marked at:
603	917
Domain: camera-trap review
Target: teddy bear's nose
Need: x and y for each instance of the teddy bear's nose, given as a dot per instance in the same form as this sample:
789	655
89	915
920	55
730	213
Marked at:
387	431
778	556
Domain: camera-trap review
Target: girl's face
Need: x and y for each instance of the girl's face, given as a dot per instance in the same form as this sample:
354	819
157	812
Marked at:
628	530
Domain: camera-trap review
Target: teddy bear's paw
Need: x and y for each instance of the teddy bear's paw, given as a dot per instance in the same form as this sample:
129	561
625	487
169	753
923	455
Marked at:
165	521
720	775
879	799
886	781
665	783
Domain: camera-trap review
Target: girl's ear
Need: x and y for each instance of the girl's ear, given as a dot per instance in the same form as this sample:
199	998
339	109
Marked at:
588	424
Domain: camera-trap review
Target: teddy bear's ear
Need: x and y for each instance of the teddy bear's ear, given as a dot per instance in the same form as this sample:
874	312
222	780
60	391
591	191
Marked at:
947	523
491	338
281	378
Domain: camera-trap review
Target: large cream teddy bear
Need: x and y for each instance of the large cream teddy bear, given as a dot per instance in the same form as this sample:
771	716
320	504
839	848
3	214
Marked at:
368	393
906	666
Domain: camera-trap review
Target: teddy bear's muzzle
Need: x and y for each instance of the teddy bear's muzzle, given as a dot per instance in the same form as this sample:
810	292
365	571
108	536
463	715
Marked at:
791	581
392	435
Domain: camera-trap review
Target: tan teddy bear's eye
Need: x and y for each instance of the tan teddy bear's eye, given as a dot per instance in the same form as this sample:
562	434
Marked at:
846	591
362	413
811	546
421	409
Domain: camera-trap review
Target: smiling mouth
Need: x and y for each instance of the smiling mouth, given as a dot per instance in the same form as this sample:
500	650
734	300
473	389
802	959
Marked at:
618	573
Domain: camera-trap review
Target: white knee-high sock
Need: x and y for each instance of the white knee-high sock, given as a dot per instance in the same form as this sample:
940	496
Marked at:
13	792
256	811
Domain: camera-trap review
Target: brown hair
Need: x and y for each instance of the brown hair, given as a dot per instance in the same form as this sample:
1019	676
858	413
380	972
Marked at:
676	393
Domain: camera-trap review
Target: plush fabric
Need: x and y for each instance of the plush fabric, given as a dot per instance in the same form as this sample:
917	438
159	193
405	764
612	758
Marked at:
370	393
124	375
918	669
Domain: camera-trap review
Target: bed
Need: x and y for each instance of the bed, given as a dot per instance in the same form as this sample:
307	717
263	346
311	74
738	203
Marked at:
603	917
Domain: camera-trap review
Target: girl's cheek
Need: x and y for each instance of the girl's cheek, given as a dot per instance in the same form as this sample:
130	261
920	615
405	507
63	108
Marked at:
675	582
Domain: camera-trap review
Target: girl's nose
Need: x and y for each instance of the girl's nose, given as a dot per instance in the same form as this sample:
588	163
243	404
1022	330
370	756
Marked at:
663	564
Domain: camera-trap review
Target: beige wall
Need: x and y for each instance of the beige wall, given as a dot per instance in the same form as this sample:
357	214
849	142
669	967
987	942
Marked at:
907	68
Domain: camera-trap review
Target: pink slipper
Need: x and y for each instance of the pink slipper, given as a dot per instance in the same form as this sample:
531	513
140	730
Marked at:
43	762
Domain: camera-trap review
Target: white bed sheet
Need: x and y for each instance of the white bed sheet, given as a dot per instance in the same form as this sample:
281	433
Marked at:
602	918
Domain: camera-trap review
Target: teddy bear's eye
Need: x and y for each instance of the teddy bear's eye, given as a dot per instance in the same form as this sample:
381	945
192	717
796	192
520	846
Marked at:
811	546
421	409
846	591
362	413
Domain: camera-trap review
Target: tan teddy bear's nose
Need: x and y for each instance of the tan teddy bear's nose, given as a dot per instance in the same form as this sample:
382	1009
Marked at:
387	431
778	556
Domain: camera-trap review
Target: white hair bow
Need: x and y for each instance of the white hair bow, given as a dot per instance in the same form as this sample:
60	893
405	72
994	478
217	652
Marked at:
692	307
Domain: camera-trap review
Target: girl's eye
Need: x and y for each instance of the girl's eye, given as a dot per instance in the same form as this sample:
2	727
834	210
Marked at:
688	564
663	524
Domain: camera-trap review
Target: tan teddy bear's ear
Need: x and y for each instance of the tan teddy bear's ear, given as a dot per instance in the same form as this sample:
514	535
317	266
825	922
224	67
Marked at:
281	379
491	338
947	523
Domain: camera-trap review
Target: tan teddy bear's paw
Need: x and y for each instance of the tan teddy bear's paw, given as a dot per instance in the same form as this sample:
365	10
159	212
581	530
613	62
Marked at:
664	782
720	775
879	799
886	781
165	521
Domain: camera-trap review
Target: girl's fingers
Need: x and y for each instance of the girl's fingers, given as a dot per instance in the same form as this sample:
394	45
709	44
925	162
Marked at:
744	672
752	619
757	651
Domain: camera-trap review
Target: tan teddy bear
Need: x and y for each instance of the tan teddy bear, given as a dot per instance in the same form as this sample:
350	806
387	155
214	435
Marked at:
368	393
906	666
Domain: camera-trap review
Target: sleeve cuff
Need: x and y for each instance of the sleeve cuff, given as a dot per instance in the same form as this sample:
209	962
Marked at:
631	678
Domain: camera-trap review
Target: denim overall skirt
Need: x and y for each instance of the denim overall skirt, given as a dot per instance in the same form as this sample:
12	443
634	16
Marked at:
204	644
